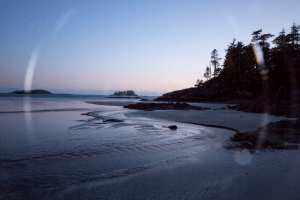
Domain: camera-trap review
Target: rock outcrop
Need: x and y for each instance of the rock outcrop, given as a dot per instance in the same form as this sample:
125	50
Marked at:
213	92
164	106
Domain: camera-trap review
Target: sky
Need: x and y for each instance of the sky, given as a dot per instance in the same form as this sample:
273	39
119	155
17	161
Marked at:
149	46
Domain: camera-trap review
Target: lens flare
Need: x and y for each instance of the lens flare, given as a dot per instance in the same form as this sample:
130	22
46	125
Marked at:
259	55
30	69
27	87
63	20
27	115
243	157
262	133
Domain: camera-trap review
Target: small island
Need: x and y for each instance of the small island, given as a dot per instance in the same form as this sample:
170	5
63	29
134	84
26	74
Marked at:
31	92
124	94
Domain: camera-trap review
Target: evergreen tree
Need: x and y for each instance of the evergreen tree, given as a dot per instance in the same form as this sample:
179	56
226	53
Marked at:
207	73
294	36
215	62
259	69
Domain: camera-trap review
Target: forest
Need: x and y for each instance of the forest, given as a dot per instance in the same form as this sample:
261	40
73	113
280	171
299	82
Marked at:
263	76
259	68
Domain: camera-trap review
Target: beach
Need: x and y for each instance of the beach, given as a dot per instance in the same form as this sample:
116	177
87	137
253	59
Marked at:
213	174
85	148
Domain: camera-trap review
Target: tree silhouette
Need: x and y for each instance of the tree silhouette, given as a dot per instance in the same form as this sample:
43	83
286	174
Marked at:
215	62
246	71
199	83
294	36
207	73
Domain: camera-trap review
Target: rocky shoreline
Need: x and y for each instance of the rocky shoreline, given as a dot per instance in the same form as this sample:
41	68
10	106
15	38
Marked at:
283	134
164	106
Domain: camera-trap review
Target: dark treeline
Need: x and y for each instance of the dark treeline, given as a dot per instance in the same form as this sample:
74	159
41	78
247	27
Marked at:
263	76
31	92
125	93
258	68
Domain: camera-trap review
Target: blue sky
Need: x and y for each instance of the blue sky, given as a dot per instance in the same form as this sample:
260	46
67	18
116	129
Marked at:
155	46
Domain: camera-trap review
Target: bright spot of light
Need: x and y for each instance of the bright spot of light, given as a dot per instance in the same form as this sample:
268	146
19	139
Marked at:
243	157
259	55
27	115
30	69
262	133
28	86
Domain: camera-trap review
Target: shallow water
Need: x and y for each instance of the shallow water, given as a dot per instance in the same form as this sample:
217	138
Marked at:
61	143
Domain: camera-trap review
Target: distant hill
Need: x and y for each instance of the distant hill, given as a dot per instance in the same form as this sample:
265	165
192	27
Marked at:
125	93
31	92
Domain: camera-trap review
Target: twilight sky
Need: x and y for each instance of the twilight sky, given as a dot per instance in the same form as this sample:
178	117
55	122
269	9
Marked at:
143	45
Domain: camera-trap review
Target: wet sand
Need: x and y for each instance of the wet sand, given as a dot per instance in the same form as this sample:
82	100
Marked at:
213	174
238	120
235	120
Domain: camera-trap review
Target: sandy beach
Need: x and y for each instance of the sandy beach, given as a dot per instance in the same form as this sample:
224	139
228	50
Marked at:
236	120
81	156
213	174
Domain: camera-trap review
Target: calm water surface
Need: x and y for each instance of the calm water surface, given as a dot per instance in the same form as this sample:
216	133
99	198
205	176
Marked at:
50	144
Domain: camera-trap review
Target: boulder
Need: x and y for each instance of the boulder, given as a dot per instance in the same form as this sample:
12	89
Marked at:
173	127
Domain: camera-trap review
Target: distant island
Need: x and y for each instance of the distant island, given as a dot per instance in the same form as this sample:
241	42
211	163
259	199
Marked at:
31	92
125	93
129	94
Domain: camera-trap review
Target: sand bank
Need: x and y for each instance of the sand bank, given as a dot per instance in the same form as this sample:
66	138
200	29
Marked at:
238	120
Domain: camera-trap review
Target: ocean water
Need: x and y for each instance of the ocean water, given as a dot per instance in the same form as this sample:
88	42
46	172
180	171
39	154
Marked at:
51	143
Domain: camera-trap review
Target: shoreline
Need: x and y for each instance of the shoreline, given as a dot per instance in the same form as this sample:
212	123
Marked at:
216	173
211	173
235	120
221	173
215	117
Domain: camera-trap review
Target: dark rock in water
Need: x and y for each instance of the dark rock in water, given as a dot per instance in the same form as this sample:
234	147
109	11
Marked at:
144	100
173	127
232	107
31	92
113	120
88	113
